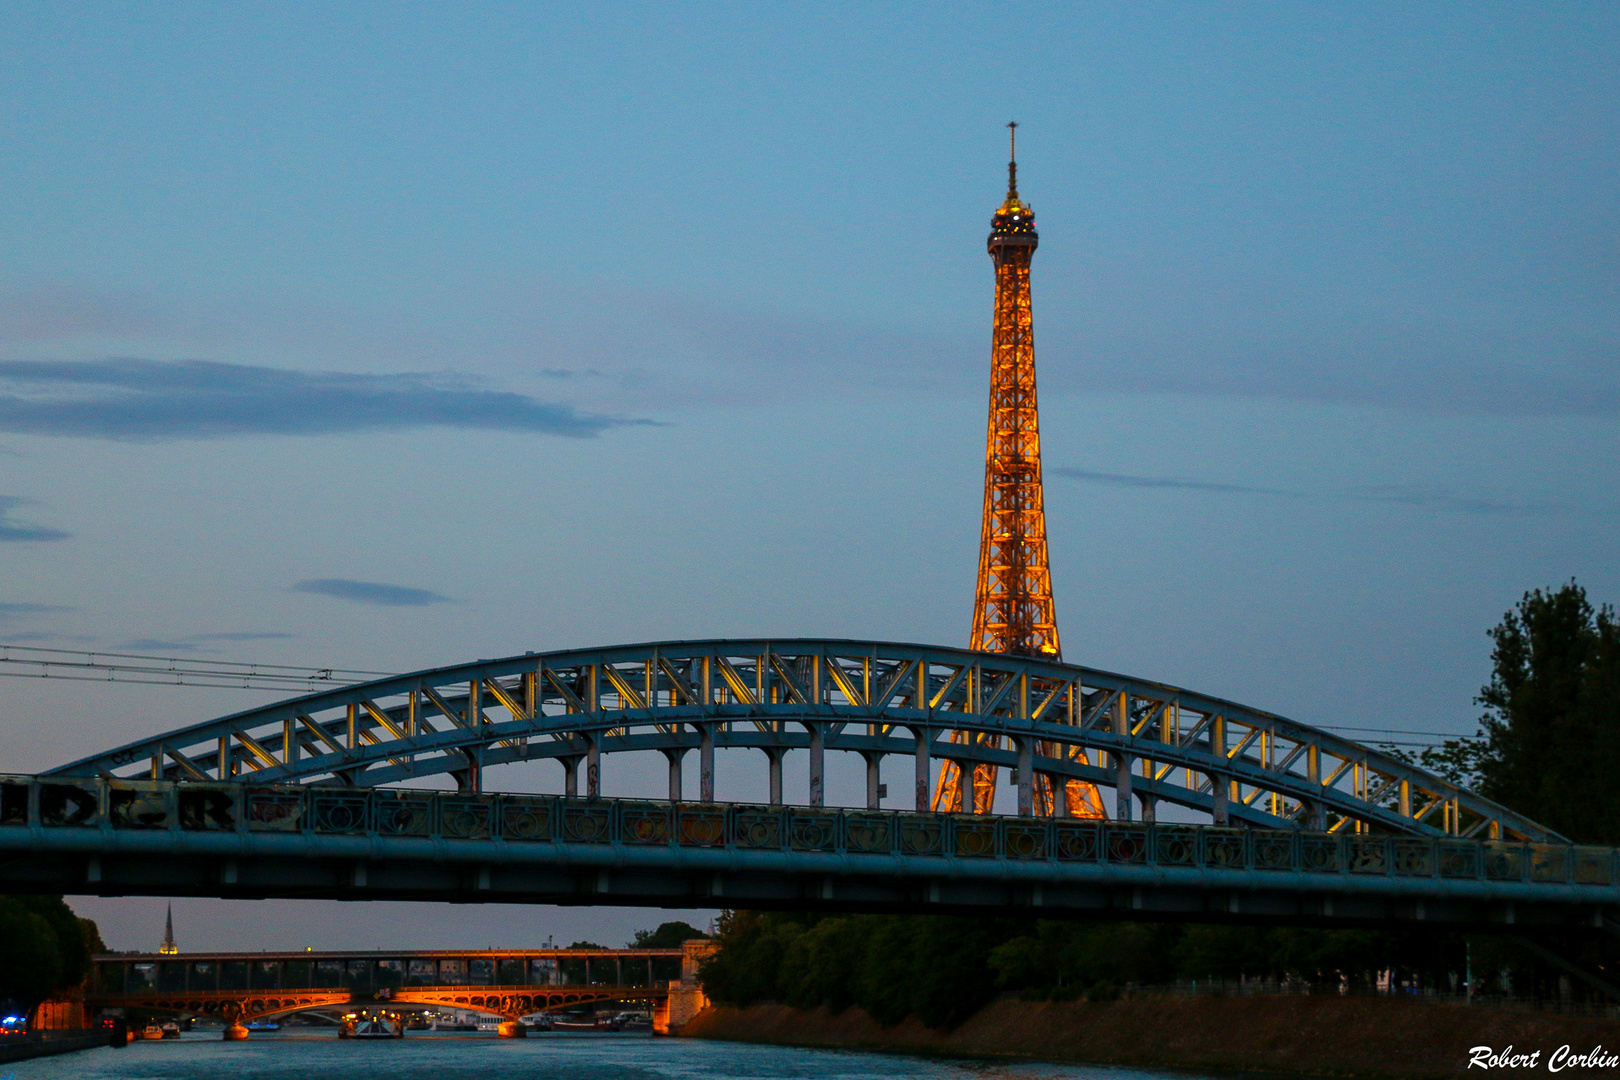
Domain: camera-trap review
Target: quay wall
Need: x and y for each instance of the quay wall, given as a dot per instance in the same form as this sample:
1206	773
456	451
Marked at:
44	1044
1378	1038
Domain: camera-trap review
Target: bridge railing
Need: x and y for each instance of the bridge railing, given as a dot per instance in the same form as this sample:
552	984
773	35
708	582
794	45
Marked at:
27	803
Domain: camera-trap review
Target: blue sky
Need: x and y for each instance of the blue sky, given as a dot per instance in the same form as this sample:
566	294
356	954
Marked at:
384	336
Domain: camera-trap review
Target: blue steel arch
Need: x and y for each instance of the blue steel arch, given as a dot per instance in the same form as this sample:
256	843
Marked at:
1148	741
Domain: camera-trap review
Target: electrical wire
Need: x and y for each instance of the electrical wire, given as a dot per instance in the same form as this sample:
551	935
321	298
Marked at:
81	666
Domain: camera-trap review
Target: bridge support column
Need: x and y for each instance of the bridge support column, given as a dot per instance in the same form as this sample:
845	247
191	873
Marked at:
774	756
1122	787
1316	815
674	757
1026	777
470	781
593	769
925	766
706	762
1150	805
570	777
818	761
1059	786
874	775
1221	788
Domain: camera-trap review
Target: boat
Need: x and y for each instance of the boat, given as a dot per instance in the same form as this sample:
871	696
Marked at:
151	1031
171	1030
614	1024
264	1025
383	1025
453	1025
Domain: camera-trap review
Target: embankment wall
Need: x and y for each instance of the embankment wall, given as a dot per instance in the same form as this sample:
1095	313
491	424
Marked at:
1292	1036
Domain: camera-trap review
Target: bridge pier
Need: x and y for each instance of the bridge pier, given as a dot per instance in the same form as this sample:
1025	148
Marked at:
1122	787
675	757
1220	790
874	767
818	762
470	781
706	762
774	756
1026	776
925	766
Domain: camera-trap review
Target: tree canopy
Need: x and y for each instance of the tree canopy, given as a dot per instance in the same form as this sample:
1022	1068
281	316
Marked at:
670	935
44	948
1549	742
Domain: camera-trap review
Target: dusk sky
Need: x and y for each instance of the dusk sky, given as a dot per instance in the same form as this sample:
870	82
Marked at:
387	336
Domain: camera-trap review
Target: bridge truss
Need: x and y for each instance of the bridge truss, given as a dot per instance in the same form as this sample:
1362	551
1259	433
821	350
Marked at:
1148	742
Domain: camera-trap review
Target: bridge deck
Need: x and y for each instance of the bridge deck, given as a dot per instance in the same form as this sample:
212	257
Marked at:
164	838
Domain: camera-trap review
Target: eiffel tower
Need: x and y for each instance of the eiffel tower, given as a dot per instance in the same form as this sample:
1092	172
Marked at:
1013	611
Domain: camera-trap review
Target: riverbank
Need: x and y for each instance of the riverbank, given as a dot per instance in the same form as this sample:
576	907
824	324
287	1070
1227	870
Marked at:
1290	1035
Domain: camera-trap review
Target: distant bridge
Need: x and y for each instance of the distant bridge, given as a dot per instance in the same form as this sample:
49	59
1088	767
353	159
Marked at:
286	800
506	983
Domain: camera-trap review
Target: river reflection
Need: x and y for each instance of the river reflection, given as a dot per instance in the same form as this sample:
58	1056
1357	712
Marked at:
424	1056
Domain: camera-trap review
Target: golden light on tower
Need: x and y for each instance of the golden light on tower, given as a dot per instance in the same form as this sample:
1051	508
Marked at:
1013	611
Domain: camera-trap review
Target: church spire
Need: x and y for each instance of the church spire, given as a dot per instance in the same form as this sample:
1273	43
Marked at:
169	947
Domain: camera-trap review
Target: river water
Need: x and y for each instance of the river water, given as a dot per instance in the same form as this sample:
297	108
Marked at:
422	1056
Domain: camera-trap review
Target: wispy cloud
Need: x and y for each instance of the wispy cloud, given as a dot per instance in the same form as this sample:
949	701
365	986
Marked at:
12	611
1373	493
148	400
371	592
201	642
21	532
151	645
1127	480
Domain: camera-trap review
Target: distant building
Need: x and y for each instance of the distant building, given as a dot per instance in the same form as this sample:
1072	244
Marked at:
169	948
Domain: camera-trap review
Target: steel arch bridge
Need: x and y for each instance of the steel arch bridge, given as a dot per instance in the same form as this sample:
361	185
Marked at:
1148	741
303	797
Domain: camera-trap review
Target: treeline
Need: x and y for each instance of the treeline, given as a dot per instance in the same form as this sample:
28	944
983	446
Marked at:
943	969
45	949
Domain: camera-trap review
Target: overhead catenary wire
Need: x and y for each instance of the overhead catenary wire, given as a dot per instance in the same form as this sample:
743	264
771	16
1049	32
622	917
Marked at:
27	661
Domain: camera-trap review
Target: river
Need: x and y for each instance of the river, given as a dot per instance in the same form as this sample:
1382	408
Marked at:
421	1056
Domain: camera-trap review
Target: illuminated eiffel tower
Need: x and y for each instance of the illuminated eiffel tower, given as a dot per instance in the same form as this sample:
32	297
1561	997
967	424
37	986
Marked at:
1013	611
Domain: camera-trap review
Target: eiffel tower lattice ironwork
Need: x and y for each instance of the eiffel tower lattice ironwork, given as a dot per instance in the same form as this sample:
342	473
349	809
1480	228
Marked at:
1013	611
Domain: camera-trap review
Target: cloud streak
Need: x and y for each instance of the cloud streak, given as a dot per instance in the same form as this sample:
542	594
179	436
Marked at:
155	400
1126	480
1376	493
371	592
23	532
12	611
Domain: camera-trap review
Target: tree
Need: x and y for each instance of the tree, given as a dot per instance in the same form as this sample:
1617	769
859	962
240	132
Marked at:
1551	732
669	935
44	948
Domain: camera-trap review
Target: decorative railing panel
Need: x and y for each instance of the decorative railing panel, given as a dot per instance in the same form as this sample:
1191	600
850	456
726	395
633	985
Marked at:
43	808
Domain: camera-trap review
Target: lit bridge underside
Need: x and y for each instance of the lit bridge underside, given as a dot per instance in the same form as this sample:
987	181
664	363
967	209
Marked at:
258	986
284	800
